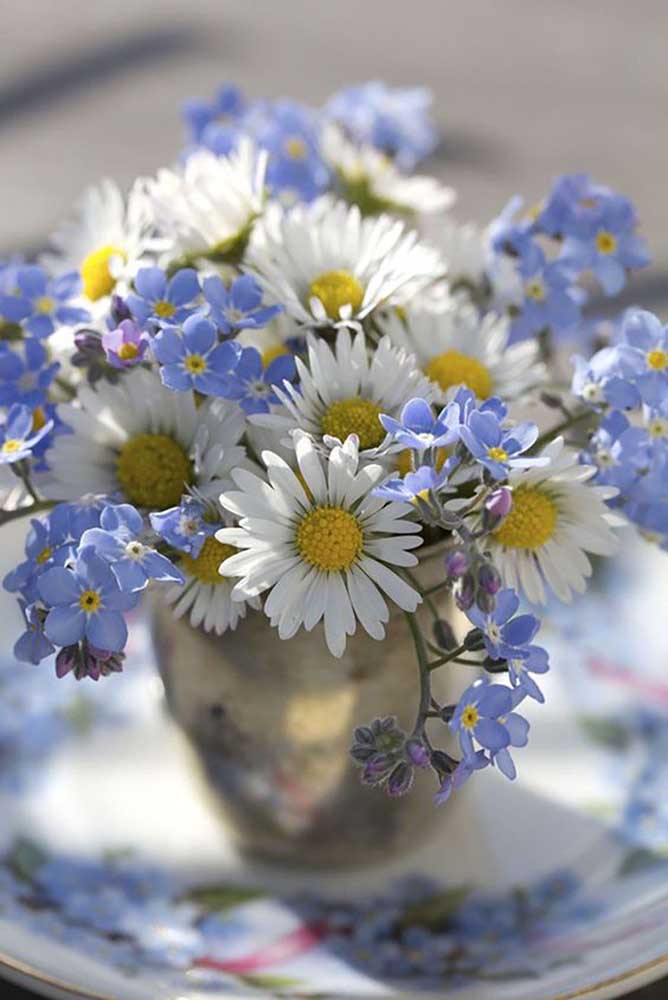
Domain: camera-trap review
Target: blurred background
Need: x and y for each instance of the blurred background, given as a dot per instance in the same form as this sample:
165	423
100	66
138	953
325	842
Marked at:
523	91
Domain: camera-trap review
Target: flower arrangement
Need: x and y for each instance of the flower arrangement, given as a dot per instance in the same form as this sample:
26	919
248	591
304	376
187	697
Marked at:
258	382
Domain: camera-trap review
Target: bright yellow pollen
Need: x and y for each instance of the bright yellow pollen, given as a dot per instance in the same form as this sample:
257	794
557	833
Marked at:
271	353
657	360
44	305
405	460
497	454
98	280
44	556
454	368
295	148
207	564
470	717
605	242
127	351
195	364
89	601
535	290
153	471
164	309
535	211
11	446
330	538
532	520
38	418
422	495
354	416
336	289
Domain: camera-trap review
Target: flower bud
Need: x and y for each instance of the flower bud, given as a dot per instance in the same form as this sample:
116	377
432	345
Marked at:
486	602
489	579
401	779
474	640
417	753
497	506
456	564
465	593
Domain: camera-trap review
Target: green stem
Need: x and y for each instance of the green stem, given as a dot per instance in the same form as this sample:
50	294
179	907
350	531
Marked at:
65	386
7	516
423	666
571	421
446	659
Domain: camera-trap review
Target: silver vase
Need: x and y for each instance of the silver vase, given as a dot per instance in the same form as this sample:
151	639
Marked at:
271	723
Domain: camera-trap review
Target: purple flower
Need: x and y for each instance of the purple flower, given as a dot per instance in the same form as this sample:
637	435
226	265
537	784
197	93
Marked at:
238	307
160	301
417	428
118	541
17	437
33	646
194	359
48	543
415	485
608	246
533	660
504	635
84	660
460	775
206	120
551	301
85	602
517	728
185	527
125	346
499	449
252	385
477	716
26	375
41	303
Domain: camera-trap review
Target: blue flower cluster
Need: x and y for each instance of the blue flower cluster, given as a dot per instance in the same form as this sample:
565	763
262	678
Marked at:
395	121
582	228
626	387
86	566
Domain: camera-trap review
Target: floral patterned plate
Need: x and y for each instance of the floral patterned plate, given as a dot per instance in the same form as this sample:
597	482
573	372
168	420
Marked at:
116	880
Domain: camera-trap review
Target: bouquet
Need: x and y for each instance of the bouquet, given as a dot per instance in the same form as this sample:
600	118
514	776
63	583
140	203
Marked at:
277	372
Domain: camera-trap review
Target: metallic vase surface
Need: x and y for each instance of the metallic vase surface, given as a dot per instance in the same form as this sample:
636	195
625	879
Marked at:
271	723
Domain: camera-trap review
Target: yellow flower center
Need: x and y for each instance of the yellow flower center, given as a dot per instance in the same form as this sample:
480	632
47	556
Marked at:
98	280
44	305
205	567
90	601
497	454
11	446
38	419
271	353
605	242
127	351
354	416
195	364
330	538
657	360
454	368
336	289
295	148
405	460
532	520
44	556
164	309
470	717
153	471
535	289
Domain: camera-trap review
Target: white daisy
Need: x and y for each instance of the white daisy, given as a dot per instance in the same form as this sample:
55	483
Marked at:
105	243
344	390
556	517
208	206
370	180
330	267
145	442
206	596
320	543
458	346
